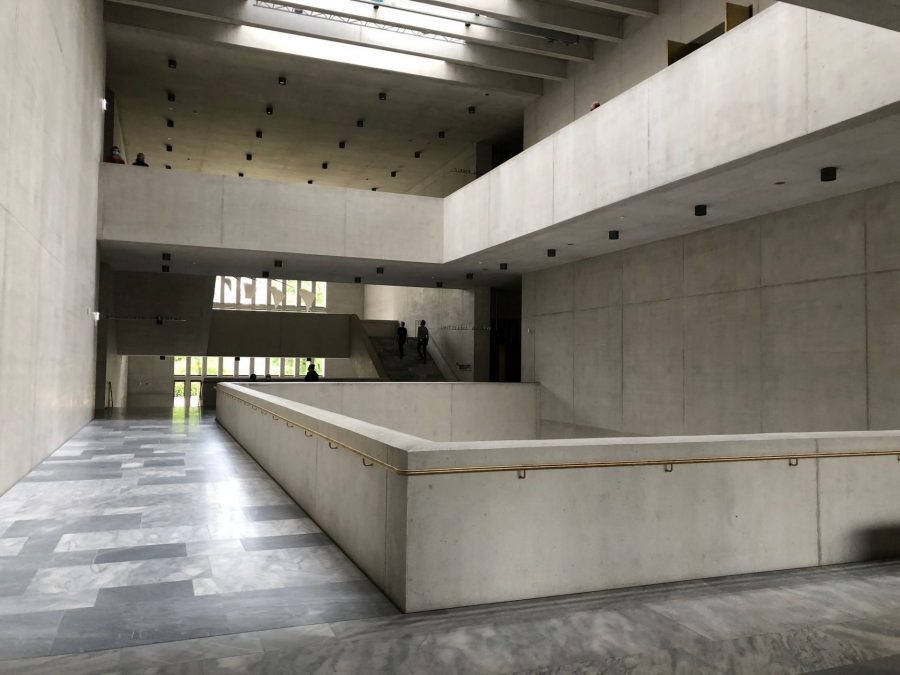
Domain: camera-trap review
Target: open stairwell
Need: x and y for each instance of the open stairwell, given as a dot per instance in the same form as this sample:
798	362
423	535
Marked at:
409	368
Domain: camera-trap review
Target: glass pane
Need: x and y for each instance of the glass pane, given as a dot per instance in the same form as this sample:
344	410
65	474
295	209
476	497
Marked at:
262	292
212	365
320	293
196	365
230	290
247	290
306	288
291	299
276	293
217	296
290	366
195	394
179	395
180	365
227	365
244	366
275	366
259	367
319	363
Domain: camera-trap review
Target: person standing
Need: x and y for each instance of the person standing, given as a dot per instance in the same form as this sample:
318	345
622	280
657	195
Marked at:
401	337
139	161
114	156
422	341
311	374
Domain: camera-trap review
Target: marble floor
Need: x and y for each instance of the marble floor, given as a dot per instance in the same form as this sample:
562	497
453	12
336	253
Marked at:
155	544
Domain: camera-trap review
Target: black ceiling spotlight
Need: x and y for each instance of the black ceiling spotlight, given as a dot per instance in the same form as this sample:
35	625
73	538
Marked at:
374	189
468	25
613	235
240	174
357	280
470	275
360	123
382	96
309	182
282	80
168	147
551	252
504	266
342	144
162	358
393	174
439	284
417	154
325	165
165	268
780	182
828	174
442	134
269	109
279	263
259	133
159	322
265	274
166	256
379	270
249	156
700	210
168	166
471	109
171	96
173	64
170	123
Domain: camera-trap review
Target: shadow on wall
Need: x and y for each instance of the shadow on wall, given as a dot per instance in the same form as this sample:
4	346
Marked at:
878	543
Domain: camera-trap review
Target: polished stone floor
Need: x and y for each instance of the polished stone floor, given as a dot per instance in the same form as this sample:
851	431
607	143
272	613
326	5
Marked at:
156	545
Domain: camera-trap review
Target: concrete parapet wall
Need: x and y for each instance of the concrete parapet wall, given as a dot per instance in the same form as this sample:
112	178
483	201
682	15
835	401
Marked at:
437	541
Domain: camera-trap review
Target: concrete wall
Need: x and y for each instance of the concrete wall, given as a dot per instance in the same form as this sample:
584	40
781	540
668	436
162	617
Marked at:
617	67
783	323
150	382
568	531
51	125
195	209
455	318
345	299
437	411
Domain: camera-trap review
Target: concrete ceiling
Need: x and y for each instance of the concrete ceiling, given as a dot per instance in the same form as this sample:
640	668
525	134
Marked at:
222	92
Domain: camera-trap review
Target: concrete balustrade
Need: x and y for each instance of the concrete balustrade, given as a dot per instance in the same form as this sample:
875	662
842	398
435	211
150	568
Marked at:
436	541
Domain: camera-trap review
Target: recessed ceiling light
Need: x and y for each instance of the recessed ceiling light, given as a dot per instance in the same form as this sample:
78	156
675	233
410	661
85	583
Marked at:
249	156
828	174
270	110
324	165
470	275
504	266
259	133
166	256
382	96
360	123
613	235
282	80
780	182
374	189
241	174
417	154
471	109
168	147
309	182
279	263
570	244
173	64
265	274
170	123
439	284
393	174
171	96
551	252
700	210
165	268
168	166
357	280
342	144
379	270
442	134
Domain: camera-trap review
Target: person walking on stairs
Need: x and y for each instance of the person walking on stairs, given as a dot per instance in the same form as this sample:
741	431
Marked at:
422	341
401	337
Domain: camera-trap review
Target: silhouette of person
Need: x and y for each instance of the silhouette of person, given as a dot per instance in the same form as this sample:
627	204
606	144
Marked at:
401	337
253	377
422	341
140	160
114	156
311	374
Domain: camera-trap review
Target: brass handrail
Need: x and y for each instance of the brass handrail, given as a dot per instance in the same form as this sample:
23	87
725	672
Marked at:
521	469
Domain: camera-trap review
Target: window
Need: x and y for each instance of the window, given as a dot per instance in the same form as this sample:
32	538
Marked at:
196	365
227	366
269	294
290	367
244	366
212	365
181	365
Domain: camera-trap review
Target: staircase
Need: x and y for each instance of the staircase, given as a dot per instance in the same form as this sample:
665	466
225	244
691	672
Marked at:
408	369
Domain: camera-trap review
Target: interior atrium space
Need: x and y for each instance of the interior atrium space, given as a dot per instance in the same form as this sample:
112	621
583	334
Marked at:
449	337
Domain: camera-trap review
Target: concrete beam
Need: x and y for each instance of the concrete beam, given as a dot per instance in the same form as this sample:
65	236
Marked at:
473	34
884	13
645	8
477	55
541	15
301	46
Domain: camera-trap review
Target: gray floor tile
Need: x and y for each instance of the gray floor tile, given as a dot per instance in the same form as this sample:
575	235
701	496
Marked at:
278	512
128	595
285	541
148	552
